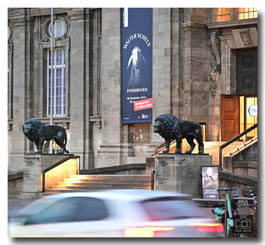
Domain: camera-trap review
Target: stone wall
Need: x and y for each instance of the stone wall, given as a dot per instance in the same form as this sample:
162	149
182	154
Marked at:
16	141
193	64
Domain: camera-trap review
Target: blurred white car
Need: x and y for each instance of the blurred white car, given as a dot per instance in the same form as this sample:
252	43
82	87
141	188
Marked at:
114	213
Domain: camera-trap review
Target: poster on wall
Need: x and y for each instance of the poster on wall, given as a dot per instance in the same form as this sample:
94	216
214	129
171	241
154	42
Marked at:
210	182
136	73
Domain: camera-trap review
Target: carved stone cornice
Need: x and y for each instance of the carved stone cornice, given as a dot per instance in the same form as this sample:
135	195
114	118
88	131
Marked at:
232	24
192	25
76	14
242	38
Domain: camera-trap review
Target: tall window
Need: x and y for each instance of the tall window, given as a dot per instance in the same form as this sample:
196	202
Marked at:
56	86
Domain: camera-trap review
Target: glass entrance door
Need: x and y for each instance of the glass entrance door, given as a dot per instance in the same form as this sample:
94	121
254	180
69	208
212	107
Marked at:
248	114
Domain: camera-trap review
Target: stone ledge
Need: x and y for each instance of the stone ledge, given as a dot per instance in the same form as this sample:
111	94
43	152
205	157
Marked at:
111	169
15	175
245	164
230	24
224	175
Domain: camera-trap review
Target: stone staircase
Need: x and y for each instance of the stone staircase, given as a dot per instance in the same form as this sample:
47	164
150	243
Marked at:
93	182
243	160
212	148
139	177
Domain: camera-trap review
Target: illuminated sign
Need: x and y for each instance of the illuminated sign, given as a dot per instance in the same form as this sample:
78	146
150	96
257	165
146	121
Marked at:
252	110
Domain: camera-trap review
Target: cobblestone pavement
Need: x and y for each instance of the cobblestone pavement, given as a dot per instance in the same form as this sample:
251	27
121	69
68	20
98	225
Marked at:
14	205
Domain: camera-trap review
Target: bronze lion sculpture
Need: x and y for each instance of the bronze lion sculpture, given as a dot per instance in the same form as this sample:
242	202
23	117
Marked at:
171	128
38	132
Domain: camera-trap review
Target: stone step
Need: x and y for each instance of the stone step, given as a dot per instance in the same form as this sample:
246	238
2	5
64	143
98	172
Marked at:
108	179
90	188
102	186
113	183
62	189
105	176
212	148
98	182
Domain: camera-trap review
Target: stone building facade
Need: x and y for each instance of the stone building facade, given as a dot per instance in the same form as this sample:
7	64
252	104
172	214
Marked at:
196	70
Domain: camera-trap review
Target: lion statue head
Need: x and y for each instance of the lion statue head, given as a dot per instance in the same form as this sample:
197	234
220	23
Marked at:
31	128
166	125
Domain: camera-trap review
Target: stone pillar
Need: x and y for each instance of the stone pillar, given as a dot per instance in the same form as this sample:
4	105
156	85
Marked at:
36	164
175	60
16	138
79	87
228	61
111	149
161	65
180	173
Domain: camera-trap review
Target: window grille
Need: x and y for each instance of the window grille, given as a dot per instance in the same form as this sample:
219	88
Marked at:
56	93
247	13
223	14
60	28
234	14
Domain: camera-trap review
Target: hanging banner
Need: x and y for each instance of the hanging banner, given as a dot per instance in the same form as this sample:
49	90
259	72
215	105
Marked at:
136	53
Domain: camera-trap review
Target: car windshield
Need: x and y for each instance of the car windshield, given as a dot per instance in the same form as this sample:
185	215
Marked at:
171	208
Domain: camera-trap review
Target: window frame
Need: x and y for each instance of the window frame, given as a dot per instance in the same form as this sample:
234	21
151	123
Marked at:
55	27
63	93
233	15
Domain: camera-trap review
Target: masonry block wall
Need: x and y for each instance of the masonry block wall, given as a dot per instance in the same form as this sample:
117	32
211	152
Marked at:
186	81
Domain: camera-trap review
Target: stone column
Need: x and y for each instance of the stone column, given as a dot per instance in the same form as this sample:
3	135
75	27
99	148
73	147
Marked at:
79	87
110	150
16	137
175	61
227	61
195	92
161	65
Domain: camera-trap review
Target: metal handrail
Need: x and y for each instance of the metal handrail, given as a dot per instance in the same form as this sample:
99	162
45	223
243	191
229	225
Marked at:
221	147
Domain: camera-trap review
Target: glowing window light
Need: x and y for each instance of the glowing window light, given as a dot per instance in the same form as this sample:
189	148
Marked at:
247	13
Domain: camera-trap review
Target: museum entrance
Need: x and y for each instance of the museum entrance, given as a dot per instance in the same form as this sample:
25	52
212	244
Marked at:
238	113
230	116
248	115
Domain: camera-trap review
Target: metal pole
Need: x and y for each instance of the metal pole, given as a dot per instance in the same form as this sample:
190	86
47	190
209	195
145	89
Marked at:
51	111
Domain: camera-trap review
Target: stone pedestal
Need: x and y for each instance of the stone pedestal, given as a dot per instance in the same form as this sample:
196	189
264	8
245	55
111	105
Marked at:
180	173
36	165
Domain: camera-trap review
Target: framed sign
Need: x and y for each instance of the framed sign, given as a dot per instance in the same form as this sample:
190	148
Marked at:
252	110
136	50
210	182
